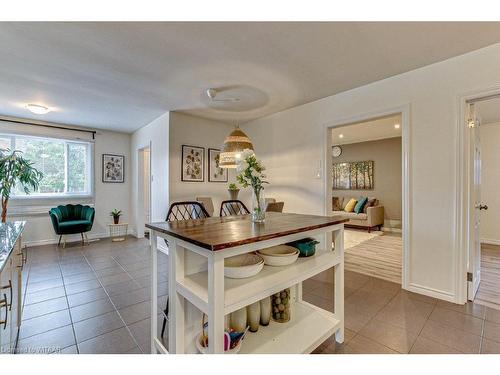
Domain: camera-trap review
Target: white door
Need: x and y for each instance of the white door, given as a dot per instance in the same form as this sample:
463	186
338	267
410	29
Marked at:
475	206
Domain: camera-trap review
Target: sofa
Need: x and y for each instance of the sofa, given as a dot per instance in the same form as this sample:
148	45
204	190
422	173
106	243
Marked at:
370	218
72	219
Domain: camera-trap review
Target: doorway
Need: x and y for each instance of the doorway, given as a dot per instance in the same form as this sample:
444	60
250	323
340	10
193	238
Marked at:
144	191
482	119
367	158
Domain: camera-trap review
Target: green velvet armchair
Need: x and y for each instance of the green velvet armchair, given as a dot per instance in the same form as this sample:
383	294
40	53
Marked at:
72	219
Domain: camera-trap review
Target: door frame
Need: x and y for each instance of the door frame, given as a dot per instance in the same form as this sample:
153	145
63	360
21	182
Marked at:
140	189
464	213
404	111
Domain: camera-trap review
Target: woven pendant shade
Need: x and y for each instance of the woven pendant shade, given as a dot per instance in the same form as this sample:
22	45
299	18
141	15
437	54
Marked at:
233	146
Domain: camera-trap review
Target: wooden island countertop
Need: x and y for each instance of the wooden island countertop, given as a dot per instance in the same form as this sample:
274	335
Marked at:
217	233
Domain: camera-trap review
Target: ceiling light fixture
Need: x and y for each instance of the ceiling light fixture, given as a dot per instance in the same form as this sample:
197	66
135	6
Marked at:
38	109
397	126
232	148
341	136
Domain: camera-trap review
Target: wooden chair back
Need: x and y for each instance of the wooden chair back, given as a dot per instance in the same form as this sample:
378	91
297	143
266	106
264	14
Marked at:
275	207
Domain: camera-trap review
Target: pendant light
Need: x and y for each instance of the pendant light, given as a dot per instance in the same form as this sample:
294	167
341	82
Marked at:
232	148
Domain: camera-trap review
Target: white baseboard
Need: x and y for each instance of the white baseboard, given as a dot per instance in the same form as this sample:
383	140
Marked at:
431	292
489	241
72	238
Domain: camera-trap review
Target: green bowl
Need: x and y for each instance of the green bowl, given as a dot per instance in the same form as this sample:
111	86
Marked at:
306	246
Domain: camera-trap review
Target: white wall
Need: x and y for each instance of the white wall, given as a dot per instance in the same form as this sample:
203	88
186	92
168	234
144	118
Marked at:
490	183
156	135
195	131
107	196
291	143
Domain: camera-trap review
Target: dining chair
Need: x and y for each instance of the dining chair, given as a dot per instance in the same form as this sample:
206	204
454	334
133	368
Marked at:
178	211
233	207
207	203
275	207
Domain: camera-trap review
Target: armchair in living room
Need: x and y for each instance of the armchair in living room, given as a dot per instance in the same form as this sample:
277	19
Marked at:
72	219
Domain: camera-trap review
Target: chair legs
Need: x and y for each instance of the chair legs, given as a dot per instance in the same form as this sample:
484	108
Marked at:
83	240
165	313
59	243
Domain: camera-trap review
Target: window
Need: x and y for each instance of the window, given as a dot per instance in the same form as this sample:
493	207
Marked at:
66	165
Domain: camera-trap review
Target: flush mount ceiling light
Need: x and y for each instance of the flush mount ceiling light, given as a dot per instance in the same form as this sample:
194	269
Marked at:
341	135
37	109
397	126
232	148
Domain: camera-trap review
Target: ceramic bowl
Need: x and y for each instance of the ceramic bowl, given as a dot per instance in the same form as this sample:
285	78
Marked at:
204	350
243	266
281	255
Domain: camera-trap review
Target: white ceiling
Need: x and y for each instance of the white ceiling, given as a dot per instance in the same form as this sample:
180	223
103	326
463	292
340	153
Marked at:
367	131
120	76
488	111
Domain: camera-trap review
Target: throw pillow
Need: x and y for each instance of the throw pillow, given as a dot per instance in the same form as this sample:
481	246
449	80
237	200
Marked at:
350	205
337	203
370	203
360	205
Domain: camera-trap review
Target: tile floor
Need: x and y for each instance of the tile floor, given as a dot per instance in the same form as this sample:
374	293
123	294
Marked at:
382	318
91	299
95	299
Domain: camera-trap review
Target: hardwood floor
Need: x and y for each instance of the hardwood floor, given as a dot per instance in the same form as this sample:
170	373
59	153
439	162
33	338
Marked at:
488	293
379	257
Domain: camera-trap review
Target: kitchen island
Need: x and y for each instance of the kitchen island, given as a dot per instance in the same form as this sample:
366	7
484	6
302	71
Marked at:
12	260
196	252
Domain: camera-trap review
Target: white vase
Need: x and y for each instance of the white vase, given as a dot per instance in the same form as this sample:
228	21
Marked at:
265	311
253	316
238	320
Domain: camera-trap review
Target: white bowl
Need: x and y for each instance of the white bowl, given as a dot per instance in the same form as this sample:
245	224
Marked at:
204	350
243	266
281	255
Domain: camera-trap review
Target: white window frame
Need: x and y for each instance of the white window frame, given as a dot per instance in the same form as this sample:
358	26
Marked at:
59	196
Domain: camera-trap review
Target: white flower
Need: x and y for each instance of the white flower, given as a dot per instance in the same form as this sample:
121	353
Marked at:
241	165
246	153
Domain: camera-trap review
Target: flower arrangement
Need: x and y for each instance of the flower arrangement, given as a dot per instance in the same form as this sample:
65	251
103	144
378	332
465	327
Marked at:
251	174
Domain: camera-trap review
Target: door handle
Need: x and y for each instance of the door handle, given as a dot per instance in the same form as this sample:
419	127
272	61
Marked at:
3	303
8	286
482	206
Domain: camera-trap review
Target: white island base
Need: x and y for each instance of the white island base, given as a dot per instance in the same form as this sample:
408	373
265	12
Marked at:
197	285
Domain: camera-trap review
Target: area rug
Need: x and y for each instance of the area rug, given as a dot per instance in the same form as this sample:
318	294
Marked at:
379	256
355	237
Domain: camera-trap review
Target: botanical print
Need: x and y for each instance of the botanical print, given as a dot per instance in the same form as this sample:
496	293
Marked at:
215	172
193	163
356	175
113	168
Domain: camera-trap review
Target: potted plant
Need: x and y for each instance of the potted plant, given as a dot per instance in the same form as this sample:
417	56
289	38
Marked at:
233	191
251	174
116	215
14	170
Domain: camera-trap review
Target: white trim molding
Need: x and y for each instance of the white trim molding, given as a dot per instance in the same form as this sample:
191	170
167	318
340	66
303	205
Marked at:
74	238
404	110
463	214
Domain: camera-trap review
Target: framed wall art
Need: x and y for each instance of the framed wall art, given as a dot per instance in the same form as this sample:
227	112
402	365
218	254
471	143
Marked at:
113	168
215	172
193	164
357	175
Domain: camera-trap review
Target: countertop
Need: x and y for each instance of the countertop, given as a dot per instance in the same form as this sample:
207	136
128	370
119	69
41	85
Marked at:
217	233
9	233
